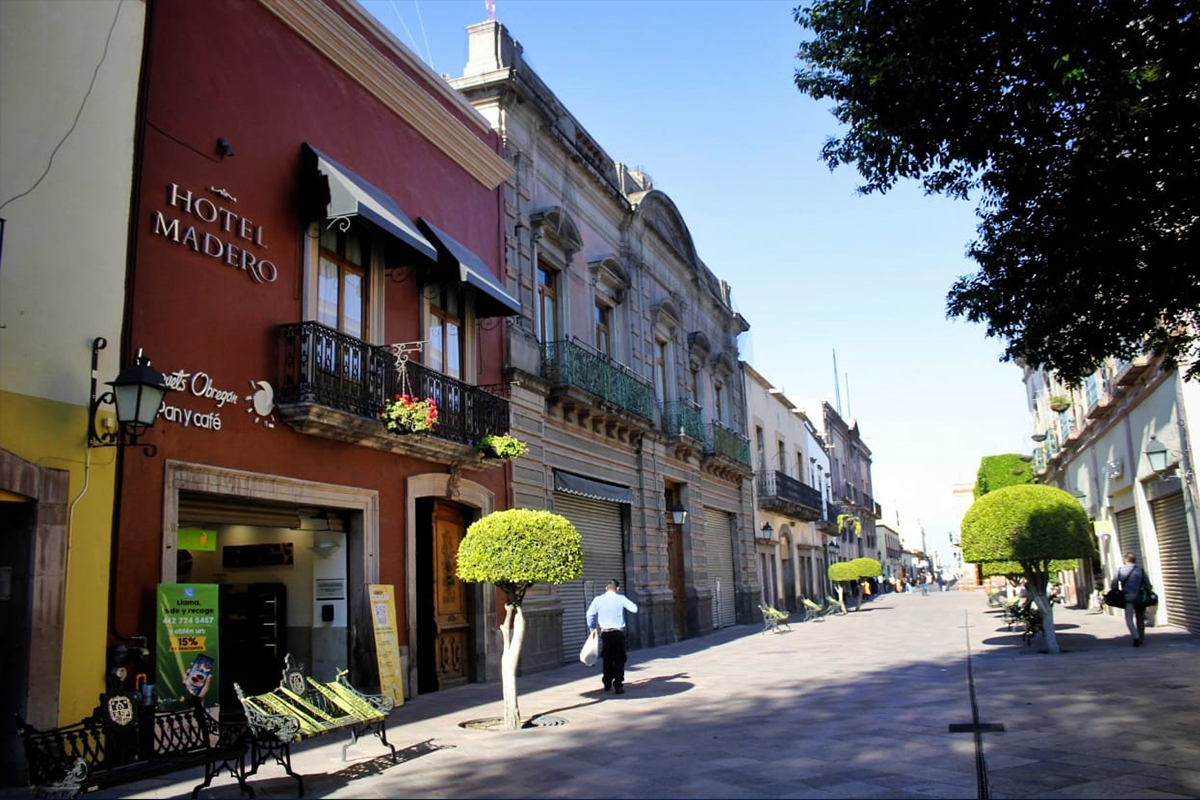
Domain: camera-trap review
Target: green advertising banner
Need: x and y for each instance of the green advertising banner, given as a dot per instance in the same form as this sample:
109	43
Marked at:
197	539
187	648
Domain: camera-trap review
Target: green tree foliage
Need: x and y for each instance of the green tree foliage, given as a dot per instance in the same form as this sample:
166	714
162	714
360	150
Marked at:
1014	572
515	549
852	571
1033	525
1074	123
996	472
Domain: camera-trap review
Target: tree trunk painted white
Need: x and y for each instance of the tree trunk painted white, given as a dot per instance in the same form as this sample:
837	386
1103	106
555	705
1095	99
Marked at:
841	590
1047	609
513	632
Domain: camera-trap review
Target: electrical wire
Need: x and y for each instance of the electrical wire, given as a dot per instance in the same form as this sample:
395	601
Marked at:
78	114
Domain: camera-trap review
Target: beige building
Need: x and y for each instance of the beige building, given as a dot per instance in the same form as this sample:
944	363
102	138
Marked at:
625	376
1121	443
69	76
794	523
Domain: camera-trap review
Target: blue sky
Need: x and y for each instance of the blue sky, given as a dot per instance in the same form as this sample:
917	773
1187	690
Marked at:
699	94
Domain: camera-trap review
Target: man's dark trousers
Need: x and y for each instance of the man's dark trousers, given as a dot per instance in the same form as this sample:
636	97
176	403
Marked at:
612	651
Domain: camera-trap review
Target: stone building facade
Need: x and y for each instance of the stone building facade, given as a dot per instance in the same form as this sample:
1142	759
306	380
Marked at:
624	375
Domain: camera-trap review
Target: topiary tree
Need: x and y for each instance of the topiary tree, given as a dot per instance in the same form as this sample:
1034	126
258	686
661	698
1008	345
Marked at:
1033	525
996	472
515	549
851	572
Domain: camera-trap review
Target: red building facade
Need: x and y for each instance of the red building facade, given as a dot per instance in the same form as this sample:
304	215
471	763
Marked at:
317	228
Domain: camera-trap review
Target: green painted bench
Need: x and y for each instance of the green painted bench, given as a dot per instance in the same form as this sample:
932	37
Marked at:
302	708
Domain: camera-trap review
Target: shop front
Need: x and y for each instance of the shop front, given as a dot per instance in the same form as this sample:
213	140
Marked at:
308	250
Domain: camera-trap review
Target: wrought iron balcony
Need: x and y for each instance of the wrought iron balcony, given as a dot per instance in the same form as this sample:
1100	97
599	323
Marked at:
682	418
780	492
727	443
335	385
828	521
571	365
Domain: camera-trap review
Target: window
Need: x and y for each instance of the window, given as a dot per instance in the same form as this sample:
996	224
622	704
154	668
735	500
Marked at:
603	331
445	349
548	304
660	370
781	450
760	448
718	401
696	386
342	280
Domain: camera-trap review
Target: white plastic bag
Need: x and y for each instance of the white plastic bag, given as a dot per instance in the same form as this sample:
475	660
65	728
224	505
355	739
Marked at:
590	650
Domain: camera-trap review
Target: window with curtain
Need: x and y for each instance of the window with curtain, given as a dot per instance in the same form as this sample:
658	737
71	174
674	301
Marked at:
603	320
444	352
345	257
547	304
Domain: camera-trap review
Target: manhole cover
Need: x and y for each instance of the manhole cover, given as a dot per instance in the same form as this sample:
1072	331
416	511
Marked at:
497	723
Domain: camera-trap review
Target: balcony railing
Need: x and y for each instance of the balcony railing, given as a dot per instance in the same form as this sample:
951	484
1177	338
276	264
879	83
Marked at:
682	418
779	491
567	363
828	521
324	367
727	442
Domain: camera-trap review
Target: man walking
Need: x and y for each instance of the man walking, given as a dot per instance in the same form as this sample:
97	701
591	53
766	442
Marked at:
607	612
1129	579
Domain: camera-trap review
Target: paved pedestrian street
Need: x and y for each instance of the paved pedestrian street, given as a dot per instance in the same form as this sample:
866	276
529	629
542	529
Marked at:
854	706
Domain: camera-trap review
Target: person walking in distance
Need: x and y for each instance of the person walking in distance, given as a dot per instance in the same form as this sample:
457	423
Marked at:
607	612
1129	580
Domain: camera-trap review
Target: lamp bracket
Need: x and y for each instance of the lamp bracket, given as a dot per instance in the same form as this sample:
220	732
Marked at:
108	438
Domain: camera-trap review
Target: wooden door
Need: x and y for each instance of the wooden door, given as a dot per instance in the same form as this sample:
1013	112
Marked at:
677	579
453	626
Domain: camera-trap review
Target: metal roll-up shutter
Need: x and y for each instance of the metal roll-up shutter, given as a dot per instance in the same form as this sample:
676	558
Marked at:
599	524
718	538
1127	534
1178	591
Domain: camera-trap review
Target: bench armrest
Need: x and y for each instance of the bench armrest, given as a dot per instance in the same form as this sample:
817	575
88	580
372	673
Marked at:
264	725
380	702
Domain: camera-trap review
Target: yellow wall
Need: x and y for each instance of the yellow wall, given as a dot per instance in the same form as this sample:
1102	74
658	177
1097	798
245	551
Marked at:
53	434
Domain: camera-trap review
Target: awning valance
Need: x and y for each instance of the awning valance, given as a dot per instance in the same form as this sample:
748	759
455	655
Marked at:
588	487
492	300
338	192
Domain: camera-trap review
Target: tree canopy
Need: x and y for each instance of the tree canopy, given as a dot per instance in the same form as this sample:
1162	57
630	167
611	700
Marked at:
517	548
996	472
1033	524
1077	126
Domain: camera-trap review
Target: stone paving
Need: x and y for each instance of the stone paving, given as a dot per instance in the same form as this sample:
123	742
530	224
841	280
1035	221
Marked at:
858	706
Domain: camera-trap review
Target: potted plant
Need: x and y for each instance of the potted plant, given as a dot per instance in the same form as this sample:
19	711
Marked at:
404	414
1060	402
501	446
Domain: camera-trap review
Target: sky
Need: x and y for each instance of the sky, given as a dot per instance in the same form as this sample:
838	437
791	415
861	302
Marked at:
700	95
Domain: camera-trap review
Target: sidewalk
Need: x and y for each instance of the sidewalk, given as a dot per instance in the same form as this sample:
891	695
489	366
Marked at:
855	706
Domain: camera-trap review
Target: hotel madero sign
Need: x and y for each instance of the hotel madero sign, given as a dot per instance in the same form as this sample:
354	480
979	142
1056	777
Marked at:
211	228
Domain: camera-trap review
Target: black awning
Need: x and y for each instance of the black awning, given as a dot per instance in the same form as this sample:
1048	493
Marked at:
492	300
587	487
341	193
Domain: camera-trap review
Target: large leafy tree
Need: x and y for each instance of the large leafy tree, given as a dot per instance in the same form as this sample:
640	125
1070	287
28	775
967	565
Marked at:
515	549
1033	525
1076	124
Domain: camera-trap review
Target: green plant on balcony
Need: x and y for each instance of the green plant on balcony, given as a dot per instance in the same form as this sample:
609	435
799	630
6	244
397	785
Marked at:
501	446
1060	402
404	414
851	522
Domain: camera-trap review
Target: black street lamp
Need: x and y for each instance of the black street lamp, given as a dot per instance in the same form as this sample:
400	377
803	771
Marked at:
137	392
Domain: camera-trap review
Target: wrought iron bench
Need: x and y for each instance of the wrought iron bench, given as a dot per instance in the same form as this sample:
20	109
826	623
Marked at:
125	741
815	612
774	619
302	708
